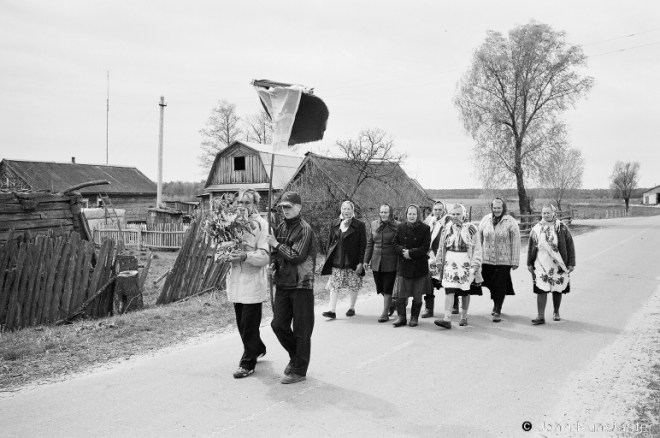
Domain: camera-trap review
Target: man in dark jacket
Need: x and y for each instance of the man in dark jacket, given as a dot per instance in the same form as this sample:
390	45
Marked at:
294	252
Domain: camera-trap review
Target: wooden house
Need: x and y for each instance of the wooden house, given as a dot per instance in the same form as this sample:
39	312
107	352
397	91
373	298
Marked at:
129	188
41	213
245	165
156	216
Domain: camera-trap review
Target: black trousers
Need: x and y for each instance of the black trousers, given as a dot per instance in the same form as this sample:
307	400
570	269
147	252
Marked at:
295	308
248	320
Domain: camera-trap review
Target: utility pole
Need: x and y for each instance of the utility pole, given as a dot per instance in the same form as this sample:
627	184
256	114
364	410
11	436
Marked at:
107	117
159	195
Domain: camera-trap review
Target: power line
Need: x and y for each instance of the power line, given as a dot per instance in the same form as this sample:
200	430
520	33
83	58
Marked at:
623	50
618	38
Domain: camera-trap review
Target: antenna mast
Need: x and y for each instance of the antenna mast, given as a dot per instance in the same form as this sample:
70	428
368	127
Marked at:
107	116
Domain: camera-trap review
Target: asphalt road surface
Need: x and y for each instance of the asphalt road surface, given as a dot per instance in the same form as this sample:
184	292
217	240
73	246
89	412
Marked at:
369	379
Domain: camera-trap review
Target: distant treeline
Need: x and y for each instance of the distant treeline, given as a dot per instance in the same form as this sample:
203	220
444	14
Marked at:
512	193
183	191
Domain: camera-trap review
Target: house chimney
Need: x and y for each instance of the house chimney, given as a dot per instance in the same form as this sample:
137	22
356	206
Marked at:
73	160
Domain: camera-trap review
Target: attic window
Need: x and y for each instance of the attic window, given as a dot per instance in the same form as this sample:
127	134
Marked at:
239	163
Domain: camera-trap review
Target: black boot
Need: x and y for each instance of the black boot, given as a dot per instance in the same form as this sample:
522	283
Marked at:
401	311
414	313
428	312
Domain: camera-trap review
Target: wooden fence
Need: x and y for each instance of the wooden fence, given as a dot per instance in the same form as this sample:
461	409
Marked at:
158	236
194	270
43	279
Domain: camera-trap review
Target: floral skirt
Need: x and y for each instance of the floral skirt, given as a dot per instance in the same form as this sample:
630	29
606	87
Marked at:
344	279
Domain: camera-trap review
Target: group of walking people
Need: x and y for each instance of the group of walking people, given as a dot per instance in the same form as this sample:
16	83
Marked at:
416	258
412	259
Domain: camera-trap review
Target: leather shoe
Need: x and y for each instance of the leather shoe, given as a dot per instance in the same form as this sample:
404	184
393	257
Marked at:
383	318
496	317
538	321
442	323
292	378
556	317
454	311
329	314
242	372
350	312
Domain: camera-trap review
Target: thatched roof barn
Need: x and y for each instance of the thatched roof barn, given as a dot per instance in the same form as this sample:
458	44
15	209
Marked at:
325	182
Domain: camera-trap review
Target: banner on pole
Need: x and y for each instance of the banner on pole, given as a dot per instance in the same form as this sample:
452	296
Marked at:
298	115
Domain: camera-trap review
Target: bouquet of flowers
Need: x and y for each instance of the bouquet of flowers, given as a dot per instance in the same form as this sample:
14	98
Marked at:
226	228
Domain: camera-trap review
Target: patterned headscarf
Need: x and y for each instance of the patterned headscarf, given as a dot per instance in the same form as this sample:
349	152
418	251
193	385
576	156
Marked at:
462	229
497	220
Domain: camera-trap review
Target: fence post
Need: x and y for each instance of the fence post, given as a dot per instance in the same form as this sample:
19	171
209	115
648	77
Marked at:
139	238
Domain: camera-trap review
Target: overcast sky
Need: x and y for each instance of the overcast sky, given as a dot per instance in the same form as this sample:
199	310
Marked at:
392	65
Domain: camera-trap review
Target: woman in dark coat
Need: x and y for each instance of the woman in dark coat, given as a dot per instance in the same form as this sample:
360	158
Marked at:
382	258
411	243
347	242
550	259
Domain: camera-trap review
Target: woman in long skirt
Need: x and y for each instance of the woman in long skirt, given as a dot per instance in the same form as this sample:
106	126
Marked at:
411	242
381	257
500	239
459	258
550	259
347	243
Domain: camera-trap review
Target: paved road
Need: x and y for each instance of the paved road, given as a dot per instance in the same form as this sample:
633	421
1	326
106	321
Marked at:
369	379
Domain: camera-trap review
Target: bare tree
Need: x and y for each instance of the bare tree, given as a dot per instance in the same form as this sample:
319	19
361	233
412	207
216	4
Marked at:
222	128
259	128
510	98
563	173
625	177
372	154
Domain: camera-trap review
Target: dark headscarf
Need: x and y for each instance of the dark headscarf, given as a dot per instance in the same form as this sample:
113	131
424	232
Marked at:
419	216
496	220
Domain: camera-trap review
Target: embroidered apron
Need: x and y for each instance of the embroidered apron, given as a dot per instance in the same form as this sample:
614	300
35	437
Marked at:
549	268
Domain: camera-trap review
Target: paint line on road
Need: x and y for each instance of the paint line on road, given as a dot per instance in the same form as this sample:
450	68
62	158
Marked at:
357	367
620	243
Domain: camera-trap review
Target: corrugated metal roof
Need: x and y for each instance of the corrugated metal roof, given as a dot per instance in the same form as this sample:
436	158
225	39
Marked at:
41	175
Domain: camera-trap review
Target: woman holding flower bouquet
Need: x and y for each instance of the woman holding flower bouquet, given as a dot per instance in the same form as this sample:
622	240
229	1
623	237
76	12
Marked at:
247	285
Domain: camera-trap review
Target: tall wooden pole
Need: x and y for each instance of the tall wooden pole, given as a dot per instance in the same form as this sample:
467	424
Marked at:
270	225
107	117
159	195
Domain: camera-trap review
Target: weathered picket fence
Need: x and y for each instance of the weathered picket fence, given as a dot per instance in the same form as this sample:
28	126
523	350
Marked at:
47	278
194	270
158	236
